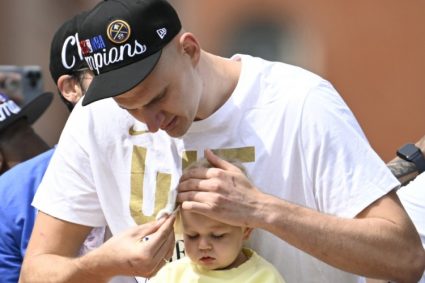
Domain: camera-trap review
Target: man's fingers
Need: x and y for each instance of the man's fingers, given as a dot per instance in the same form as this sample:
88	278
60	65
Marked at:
200	185
161	260
165	248
194	173
218	166
159	238
218	162
215	160
159	244
141	231
198	202
194	206
205	198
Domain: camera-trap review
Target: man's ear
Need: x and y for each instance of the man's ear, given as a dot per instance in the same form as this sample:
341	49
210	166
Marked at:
247	232
190	46
69	88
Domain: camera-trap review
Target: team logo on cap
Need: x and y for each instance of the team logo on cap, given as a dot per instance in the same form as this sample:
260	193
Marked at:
7	107
118	31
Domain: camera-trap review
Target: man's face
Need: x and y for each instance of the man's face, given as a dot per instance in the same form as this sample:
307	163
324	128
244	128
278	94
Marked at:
169	98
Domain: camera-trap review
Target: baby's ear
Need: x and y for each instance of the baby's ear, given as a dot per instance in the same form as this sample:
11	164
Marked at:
247	232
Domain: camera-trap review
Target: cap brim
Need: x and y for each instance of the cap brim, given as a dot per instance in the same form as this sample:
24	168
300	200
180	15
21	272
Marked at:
32	110
118	81
36	107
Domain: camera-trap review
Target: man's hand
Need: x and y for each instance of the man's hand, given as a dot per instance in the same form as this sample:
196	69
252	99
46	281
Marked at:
223	193
139	251
52	252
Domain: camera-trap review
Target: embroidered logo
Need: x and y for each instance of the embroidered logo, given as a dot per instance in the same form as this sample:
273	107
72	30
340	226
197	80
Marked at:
7	108
162	32
71	42
133	132
98	57
118	31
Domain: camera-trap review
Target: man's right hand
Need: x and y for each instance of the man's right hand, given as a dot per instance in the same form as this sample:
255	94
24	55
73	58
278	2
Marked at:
52	252
139	251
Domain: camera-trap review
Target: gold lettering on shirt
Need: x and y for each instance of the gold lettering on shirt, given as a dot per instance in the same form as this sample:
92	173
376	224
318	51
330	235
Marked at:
133	132
137	175
188	157
163	180
243	154
163	183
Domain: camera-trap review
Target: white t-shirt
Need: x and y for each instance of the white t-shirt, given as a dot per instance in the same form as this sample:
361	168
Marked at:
290	128
412	196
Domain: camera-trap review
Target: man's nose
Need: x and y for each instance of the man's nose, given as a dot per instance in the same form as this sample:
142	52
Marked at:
152	118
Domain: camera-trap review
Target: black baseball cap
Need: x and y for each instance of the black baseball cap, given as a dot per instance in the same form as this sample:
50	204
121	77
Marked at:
122	41
65	52
10	111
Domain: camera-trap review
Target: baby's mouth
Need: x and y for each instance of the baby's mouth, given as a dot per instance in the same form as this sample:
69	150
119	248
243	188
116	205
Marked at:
206	259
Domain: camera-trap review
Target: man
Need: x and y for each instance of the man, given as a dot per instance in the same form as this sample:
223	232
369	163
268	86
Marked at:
18	185
324	199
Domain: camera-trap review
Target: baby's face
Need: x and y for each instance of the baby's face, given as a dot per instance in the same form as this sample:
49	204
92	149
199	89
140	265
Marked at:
212	244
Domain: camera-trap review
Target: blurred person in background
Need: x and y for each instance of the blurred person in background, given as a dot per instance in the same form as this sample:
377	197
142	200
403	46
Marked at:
11	84
18	140
19	184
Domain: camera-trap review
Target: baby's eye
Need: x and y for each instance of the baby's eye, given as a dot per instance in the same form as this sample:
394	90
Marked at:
217	236
192	237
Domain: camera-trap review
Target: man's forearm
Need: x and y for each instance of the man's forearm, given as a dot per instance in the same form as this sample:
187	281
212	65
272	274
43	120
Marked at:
404	171
380	246
57	269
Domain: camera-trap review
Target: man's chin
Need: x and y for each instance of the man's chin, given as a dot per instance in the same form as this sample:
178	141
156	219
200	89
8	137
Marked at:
177	132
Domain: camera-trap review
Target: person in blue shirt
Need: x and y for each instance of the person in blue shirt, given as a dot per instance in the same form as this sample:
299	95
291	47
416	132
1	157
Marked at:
19	184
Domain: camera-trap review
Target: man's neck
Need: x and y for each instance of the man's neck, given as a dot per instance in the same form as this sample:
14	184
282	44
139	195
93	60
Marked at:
220	76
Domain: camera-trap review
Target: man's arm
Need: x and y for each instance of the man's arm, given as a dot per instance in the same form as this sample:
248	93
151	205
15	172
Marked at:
403	170
52	252
381	242
52	249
